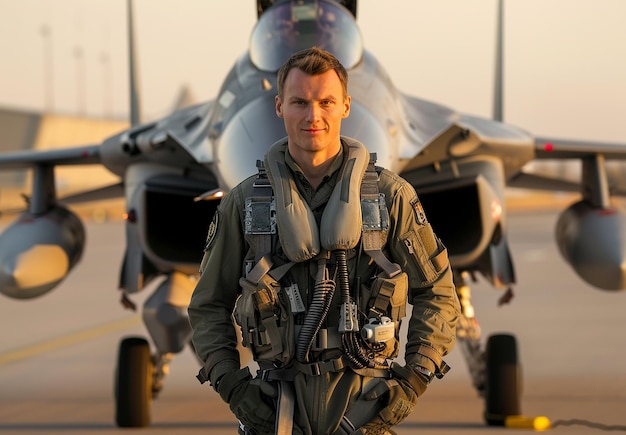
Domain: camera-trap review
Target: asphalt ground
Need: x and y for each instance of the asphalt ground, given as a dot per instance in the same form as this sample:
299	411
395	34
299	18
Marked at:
58	352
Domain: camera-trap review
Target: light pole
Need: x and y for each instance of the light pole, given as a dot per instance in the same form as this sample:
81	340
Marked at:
48	68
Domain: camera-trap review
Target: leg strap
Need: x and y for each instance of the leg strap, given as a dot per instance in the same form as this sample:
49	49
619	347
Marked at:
284	412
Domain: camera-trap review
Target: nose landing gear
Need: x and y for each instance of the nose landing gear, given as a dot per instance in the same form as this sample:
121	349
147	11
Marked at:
140	376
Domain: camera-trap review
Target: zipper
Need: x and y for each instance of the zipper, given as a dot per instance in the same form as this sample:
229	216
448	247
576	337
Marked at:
409	246
418	253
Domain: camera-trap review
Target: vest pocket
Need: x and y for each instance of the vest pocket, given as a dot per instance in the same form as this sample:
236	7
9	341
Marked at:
266	323
388	296
430	266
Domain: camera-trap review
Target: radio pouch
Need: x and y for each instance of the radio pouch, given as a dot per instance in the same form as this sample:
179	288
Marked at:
263	313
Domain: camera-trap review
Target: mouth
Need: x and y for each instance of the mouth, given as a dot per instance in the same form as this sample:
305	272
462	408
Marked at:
314	131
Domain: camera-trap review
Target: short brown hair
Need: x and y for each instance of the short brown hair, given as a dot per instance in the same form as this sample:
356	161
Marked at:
313	61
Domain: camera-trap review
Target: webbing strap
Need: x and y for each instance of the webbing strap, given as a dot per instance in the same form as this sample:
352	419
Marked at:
265	304
286	405
382	298
317	368
278	272
261	188
408	374
371	246
375	219
213	360
425	350
263	265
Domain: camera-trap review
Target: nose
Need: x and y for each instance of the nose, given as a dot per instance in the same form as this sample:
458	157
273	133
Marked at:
313	112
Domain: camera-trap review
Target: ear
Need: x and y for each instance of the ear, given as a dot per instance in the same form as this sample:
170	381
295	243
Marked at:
279	106
346	106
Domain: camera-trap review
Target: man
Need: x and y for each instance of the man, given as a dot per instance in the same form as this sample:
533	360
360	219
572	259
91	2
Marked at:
319	301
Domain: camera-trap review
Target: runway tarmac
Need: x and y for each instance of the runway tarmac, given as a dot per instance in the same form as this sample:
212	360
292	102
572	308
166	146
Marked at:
58	352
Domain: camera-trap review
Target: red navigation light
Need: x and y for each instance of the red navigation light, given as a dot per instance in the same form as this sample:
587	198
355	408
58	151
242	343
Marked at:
548	147
130	216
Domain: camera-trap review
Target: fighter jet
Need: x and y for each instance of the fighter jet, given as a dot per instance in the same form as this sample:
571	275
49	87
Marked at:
174	171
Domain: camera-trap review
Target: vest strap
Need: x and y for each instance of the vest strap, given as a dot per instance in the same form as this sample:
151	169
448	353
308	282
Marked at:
260	217
285	408
425	350
375	220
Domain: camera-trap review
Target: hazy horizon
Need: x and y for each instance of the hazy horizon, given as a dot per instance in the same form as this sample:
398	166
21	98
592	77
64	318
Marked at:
565	68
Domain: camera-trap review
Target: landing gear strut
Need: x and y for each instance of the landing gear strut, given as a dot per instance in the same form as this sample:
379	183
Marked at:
495	371
140	375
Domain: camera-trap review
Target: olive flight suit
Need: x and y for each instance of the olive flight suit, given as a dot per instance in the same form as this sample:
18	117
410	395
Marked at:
323	398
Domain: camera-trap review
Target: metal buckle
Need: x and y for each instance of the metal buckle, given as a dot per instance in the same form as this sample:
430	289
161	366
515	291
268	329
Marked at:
315	369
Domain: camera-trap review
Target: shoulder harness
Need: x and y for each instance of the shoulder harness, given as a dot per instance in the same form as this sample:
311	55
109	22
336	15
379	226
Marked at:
342	227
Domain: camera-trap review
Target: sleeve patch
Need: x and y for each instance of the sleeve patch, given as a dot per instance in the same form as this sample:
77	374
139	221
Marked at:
212	232
420	215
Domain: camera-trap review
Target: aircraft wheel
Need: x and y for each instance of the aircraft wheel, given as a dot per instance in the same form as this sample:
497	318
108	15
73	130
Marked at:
503	379
133	383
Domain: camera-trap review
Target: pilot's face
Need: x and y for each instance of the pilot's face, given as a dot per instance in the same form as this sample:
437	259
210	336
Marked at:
312	108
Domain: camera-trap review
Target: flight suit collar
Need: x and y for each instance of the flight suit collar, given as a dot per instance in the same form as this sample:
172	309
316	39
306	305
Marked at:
319	196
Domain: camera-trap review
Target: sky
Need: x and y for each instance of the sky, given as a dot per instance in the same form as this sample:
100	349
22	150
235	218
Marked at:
564	73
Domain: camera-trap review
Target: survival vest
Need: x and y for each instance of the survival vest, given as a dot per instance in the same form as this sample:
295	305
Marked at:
356	211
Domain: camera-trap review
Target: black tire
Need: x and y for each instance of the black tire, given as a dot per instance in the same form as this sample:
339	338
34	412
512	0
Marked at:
503	384
133	383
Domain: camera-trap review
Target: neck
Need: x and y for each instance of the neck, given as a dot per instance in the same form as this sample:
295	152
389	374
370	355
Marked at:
315	173
314	165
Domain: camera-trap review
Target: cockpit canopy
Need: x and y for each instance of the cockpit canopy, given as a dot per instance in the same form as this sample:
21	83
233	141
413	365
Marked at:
291	26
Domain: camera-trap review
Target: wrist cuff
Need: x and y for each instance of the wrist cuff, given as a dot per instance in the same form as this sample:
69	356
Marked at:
417	381
228	382
220	369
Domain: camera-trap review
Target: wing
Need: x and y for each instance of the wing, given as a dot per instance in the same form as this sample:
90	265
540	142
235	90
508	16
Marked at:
557	148
80	155
163	166
462	167
561	151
